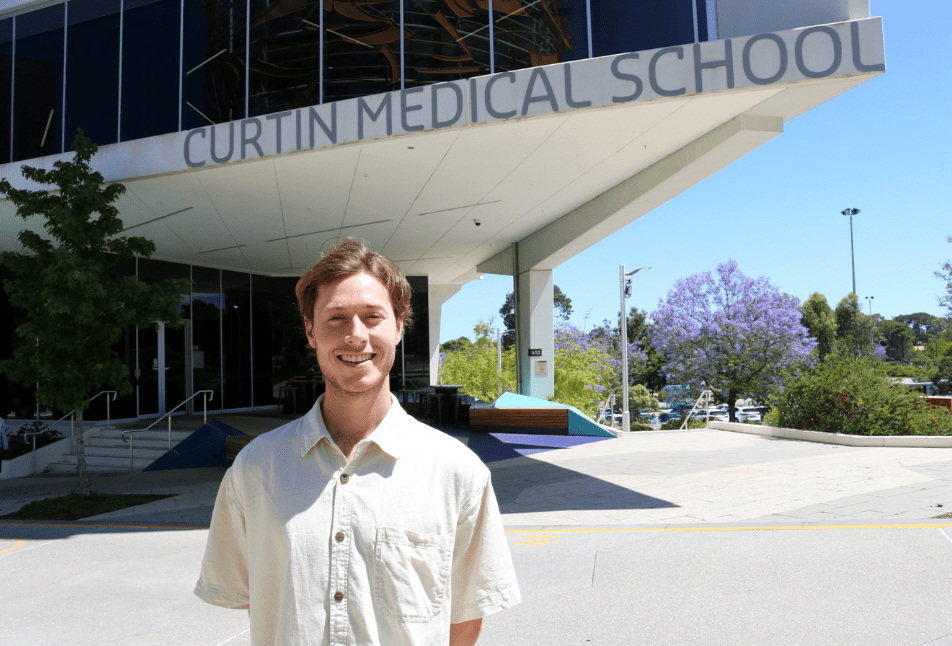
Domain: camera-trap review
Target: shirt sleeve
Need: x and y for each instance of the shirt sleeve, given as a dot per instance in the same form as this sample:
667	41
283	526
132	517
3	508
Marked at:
483	580
224	577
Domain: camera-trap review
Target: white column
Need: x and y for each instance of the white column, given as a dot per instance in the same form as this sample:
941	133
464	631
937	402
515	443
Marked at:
534	291
436	296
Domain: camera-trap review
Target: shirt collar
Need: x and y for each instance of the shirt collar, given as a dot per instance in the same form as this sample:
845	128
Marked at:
389	435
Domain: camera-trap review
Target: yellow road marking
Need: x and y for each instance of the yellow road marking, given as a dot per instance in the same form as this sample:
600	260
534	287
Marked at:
539	539
727	528
17	544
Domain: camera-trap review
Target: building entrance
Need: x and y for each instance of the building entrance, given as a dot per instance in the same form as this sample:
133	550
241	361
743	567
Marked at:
163	359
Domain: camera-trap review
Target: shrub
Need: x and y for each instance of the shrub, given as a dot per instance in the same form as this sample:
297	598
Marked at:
675	424
855	397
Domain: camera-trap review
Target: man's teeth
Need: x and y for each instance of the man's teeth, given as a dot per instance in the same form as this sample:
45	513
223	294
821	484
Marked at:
355	358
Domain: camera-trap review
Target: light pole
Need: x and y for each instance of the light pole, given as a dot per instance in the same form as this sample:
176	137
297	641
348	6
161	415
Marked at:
499	357
869	303
625	288
851	213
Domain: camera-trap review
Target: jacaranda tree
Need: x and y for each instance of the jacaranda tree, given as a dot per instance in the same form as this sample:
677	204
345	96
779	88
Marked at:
730	333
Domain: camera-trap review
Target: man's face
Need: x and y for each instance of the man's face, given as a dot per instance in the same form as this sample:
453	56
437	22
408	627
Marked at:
354	333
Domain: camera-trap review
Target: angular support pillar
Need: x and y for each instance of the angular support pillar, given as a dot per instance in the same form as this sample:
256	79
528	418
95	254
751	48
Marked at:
436	296
535	348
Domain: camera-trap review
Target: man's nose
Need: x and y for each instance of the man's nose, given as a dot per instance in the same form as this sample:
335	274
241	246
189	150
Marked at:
356	331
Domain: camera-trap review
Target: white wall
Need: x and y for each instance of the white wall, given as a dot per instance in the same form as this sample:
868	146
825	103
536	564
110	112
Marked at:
749	17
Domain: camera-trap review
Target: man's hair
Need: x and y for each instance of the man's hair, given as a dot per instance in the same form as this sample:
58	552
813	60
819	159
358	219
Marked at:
352	257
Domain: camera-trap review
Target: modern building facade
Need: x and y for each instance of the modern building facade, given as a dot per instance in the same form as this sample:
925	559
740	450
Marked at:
458	137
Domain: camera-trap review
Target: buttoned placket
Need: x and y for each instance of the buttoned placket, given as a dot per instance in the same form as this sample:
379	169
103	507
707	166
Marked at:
339	588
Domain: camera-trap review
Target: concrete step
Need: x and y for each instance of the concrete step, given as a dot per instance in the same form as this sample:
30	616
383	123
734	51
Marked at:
151	435
99	464
123	451
140	443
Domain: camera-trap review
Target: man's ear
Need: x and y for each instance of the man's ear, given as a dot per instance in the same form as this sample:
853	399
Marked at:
309	333
399	330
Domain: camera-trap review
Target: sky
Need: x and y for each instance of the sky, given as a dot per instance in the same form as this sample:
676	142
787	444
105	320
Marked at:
884	147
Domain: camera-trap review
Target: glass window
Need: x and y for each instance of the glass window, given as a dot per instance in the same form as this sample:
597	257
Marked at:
6	88
285	55
150	68
361	48
619	27
236	338
206	332
262	328
92	70
214	62
38	95
528	34
159	395
445	41
414	351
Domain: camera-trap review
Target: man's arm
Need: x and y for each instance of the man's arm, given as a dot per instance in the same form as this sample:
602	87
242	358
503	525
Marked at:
465	633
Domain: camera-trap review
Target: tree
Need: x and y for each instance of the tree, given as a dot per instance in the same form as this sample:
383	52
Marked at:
585	369
945	275
475	367
76	308
730	333
561	303
455	345
854	330
899	340
819	321
924	326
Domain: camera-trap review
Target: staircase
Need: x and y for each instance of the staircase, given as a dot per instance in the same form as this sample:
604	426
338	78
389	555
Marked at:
106	451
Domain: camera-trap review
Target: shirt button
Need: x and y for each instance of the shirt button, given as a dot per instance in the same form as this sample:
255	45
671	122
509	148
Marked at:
339	537
338	596
344	478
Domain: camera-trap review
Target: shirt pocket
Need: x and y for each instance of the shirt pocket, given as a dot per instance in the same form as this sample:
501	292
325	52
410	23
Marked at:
411	571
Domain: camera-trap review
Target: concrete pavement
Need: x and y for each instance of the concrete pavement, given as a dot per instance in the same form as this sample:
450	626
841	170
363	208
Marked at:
635	540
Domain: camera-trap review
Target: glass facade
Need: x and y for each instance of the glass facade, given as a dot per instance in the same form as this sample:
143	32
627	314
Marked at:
243	339
128	69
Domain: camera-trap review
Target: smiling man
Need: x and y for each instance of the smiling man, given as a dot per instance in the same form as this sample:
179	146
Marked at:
356	524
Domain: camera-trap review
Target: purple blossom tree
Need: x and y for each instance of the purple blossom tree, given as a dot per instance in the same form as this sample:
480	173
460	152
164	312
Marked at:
729	333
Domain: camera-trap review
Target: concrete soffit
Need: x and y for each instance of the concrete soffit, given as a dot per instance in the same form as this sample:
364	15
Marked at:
620	205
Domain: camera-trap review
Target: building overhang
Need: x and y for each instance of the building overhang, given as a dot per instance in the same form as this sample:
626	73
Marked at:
445	179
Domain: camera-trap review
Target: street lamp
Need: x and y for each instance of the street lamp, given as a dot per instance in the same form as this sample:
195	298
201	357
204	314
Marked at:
869	302
625	288
851	213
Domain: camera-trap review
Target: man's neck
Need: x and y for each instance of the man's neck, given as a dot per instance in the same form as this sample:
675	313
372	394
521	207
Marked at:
352	417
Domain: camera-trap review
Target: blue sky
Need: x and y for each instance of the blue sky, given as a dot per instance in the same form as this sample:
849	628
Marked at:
884	147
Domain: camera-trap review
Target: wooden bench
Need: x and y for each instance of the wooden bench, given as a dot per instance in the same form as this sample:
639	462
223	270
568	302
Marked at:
234	444
520	420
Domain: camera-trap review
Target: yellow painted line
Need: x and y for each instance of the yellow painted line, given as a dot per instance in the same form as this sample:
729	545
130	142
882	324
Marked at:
17	545
727	528
109	526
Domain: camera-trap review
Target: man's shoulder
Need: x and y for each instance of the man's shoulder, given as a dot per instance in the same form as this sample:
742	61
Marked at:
264	448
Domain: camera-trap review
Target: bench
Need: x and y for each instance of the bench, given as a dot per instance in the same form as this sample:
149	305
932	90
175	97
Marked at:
520	420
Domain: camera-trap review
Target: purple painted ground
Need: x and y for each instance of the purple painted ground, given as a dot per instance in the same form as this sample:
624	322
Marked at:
491	447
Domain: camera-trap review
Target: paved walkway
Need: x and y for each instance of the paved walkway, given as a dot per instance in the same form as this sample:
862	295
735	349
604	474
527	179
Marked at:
635	540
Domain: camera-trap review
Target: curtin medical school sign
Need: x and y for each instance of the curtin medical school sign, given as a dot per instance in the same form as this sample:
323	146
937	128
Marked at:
834	50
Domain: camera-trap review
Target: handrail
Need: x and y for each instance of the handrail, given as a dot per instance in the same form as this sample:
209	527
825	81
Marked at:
704	394
108	399
205	400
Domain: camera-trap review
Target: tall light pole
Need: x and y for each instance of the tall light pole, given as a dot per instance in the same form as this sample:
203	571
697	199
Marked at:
869	302
625	288
851	213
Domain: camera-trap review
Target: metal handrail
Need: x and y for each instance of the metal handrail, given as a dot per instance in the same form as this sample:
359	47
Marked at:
205	400
108	399
72	427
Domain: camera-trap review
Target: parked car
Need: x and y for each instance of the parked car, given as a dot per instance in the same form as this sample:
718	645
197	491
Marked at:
748	414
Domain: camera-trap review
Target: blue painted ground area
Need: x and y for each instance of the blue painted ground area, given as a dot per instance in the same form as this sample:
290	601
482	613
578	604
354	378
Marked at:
491	447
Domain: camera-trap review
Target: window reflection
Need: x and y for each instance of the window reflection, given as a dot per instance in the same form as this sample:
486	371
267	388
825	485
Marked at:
446	40
6	78
214	62
529	33
38	91
92	70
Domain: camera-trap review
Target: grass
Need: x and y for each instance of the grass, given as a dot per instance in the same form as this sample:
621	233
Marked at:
75	506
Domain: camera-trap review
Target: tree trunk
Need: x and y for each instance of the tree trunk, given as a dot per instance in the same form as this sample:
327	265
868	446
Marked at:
732	405
82	487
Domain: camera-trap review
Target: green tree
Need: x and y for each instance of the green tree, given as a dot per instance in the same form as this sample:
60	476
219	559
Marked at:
585	369
899	340
561	303
820	322
924	326
455	345
945	275
475	367
854	330
76	308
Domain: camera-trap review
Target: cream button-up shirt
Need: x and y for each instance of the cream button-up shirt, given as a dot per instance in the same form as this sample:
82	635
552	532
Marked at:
388	548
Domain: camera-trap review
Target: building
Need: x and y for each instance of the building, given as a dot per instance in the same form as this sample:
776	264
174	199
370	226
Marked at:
458	137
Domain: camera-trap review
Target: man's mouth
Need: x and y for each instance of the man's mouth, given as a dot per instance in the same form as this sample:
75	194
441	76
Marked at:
355	358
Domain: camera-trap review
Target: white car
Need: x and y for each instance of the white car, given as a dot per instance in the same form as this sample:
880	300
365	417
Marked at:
748	414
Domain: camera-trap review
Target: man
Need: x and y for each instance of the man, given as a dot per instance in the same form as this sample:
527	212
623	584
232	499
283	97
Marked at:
356	524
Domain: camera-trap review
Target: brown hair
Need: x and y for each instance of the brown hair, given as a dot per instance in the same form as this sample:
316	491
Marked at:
352	257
